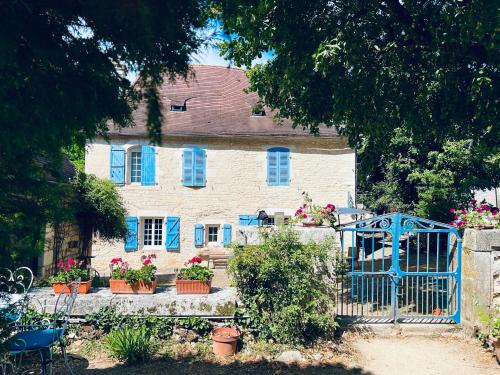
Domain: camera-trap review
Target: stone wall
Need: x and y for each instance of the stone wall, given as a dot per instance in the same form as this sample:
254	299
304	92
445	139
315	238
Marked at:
251	235
63	239
236	185
480	275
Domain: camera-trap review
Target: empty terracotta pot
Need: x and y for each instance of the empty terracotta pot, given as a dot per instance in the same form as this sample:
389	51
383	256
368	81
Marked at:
224	340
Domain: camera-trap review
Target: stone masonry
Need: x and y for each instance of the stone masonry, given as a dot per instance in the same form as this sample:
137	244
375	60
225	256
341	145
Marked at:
236	185
480	275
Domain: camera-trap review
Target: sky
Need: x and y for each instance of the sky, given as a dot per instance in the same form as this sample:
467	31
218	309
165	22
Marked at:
210	56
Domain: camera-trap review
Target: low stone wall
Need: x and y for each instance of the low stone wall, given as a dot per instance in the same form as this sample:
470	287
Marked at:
250	235
480	275
165	302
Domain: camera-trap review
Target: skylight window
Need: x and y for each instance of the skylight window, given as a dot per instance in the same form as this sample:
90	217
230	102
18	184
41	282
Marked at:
178	108
260	112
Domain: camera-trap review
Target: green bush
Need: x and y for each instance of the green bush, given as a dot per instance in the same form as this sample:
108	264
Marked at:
287	288
130	345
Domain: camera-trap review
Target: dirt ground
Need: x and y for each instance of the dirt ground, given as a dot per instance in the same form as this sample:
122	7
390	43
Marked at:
355	355
424	355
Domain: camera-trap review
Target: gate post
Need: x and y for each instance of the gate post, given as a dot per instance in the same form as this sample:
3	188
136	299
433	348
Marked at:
394	271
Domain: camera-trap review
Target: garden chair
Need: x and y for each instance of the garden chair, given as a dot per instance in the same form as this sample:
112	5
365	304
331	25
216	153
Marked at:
14	288
41	336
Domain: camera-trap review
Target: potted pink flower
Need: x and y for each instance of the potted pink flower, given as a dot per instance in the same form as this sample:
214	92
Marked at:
194	278
483	216
69	271
310	214
126	280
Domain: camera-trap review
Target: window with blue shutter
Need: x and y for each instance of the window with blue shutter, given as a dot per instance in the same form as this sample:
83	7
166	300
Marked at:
148	165
131	238
249	220
227	235
172	226
278	166
194	167
117	165
199	234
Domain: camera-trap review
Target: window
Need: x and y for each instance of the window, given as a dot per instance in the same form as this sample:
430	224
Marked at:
135	166
193	167
278	166
259	113
152	232
178	108
212	233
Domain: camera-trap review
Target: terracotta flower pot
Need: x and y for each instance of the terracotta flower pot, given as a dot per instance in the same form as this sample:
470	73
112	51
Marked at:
193	286
139	287
311	224
63	287
496	347
224	340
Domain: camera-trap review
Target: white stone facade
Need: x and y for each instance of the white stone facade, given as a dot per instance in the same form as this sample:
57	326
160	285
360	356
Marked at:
236	169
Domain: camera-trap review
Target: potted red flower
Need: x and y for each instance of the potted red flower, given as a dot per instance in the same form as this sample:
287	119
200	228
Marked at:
69	271
126	280
194	278
311	215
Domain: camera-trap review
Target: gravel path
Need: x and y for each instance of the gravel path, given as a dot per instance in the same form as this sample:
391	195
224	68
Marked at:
424	355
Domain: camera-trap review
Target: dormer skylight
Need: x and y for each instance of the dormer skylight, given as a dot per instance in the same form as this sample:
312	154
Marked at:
178	108
259	113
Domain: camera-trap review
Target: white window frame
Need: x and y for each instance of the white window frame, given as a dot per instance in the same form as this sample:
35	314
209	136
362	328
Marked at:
207	231
155	226
128	164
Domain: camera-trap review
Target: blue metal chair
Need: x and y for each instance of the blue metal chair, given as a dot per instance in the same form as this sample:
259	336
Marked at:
14	288
41	336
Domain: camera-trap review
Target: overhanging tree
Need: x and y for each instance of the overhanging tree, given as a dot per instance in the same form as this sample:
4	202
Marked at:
60	84
413	85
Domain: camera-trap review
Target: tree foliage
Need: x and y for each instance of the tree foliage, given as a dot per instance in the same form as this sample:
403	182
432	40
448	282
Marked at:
61	64
98	208
286	287
413	85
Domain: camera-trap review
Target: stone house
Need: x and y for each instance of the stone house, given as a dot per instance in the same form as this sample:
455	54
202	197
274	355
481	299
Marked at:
222	159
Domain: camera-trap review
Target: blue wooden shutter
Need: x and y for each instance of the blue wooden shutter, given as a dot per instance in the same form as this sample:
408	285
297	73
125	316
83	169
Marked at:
227	234
148	165
187	167
272	167
249	220
199	167
172	226
284	167
278	166
131	239
117	165
198	235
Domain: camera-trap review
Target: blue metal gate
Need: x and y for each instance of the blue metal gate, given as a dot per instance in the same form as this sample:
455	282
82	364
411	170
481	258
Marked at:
400	268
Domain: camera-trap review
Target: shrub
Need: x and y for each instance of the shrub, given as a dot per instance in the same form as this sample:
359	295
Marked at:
287	287
130	345
195	323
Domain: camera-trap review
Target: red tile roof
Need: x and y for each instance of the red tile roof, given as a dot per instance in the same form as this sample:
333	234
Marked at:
216	105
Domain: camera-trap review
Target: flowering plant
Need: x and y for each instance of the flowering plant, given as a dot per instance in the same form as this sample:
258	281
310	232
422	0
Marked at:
195	271
70	270
481	216
310	213
120	270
